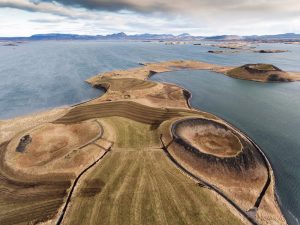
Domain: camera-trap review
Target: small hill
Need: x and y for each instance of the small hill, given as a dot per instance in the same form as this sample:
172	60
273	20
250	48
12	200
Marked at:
261	72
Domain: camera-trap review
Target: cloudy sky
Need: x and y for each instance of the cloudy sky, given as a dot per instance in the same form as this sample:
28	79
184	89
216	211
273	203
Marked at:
197	17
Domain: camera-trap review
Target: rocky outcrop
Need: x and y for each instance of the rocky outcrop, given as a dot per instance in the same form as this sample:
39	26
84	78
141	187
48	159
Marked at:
24	141
271	51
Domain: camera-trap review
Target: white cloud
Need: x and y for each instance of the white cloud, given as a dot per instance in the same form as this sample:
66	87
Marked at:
199	17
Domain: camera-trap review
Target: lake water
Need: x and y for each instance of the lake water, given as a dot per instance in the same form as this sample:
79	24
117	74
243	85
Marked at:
39	75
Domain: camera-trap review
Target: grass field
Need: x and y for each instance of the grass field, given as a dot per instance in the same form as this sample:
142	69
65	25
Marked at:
36	198
142	187
137	184
132	134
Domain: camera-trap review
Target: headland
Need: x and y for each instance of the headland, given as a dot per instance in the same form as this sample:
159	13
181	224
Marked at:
138	150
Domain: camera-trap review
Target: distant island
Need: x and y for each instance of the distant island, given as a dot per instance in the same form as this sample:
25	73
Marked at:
262	73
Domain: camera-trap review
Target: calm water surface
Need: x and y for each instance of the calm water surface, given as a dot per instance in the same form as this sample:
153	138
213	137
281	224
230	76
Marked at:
40	75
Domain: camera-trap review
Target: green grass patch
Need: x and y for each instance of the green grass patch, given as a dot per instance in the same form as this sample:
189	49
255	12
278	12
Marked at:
145	188
133	134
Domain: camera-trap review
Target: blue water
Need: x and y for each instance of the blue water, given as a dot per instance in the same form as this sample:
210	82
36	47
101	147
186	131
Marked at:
39	75
36	76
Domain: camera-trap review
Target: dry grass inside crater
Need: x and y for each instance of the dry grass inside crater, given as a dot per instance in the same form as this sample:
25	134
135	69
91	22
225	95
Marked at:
212	139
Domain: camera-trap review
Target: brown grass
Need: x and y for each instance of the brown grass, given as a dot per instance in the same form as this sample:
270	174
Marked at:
25	198
50	142
262	73
212	140
143	187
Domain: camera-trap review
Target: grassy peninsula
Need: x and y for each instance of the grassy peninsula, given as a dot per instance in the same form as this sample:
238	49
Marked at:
137	155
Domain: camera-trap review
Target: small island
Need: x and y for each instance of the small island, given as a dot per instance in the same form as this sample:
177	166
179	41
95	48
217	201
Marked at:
215	51
10	44
271	51
237	45
262	73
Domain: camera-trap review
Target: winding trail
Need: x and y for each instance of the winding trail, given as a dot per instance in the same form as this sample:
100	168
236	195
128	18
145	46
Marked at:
61	217
204	183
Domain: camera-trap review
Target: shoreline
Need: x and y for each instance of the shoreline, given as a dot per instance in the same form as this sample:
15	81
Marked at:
218	69
188	96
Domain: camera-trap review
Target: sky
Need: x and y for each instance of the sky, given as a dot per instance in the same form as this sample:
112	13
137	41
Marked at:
197	17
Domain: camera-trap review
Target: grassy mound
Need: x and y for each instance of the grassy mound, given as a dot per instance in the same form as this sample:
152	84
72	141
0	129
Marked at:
259	72
124	84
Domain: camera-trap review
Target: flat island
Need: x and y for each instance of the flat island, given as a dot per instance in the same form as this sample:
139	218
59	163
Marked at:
139	154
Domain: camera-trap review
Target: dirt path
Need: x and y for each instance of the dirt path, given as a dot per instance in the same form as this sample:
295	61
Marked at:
61	217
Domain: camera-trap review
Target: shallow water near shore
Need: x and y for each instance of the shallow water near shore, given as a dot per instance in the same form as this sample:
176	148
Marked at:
40	75
268	113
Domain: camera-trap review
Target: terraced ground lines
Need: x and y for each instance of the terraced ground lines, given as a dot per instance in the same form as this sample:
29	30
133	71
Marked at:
137	184
143	187
28	197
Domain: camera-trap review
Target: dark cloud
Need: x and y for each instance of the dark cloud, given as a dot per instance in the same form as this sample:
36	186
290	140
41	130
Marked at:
200	6
43	7
195	8
115	5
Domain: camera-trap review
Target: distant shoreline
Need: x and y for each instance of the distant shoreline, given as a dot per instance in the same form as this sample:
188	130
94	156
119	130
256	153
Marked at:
288	37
